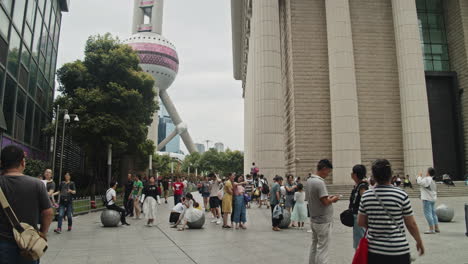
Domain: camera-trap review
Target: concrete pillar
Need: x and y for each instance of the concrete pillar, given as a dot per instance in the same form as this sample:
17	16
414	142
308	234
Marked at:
249	109
417	144
157	16
346	141
137	16
268	93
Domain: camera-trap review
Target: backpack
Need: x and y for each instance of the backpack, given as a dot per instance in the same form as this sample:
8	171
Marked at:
265	187
104	199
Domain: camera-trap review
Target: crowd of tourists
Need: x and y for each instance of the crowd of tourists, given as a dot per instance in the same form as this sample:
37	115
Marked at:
378	209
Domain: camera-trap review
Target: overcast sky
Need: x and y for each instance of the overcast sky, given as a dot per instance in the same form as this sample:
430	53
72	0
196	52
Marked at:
204	92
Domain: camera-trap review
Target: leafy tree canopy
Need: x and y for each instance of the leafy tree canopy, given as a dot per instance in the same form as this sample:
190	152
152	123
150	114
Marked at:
112	96
214	161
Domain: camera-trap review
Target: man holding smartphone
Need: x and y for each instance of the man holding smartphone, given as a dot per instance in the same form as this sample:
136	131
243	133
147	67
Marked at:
321	212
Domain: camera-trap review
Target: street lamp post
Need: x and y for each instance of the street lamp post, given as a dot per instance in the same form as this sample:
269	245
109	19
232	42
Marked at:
66	119
109	164
57	112
150	165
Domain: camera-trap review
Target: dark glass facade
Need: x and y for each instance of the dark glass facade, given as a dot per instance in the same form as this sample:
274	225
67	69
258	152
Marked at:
29	37
433	35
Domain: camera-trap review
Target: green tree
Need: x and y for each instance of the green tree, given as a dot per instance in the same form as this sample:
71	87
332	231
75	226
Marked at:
114	99
214	161
233	161
34	167
162	163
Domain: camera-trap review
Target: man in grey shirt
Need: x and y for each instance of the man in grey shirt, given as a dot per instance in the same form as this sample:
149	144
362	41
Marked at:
27	197
321	212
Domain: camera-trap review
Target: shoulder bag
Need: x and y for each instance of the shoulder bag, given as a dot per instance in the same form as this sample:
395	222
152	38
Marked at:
31	244
347	216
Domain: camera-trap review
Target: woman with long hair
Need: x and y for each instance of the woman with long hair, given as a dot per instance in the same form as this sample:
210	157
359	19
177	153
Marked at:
151	198
192	213
240	213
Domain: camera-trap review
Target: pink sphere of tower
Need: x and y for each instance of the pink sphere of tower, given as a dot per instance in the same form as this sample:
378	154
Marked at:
158	57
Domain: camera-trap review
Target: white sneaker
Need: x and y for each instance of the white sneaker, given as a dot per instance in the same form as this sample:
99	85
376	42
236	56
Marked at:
218	222
214	221
150	224
309	231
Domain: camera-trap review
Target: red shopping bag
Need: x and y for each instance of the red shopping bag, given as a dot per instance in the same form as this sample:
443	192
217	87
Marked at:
361	254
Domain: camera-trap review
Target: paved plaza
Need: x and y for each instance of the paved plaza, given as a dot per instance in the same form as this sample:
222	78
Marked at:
89	242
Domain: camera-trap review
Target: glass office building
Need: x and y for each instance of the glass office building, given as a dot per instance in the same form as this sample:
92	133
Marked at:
29	38
165	127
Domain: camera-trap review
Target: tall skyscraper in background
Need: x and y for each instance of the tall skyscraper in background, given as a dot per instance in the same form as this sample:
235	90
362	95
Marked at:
200	147
219	147
158	57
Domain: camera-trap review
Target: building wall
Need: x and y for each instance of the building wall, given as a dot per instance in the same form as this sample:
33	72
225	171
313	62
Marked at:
308	54
377	82
29	38
456	19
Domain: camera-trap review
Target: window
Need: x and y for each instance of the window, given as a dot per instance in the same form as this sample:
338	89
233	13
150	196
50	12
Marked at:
41	5
8	4
18	13
29	121
30	12
1	83
32	79
25	56
5	24
27	36
56	34
39	95
47	13
9	103
37	127
20	111
37	36
13	53
433	35
147	15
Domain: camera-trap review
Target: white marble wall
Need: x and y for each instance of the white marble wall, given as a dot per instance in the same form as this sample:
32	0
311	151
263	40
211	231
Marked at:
417	145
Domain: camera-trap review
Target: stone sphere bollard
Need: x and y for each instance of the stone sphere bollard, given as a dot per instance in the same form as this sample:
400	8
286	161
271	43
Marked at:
110	218
197	224
445	213
286	220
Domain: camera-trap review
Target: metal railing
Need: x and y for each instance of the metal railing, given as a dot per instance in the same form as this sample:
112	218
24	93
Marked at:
83	205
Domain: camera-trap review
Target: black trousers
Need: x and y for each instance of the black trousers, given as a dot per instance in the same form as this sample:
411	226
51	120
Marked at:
128	203
274	222
384	259
174	217
120	210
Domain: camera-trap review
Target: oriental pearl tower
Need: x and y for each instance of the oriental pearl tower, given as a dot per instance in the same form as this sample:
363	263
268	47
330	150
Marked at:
158	57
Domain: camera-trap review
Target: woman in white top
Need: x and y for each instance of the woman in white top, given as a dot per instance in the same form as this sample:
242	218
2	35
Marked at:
429	197
191	214
299	213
